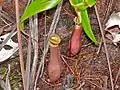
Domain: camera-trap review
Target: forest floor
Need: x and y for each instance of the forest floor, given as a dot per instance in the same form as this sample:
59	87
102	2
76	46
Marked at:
90	64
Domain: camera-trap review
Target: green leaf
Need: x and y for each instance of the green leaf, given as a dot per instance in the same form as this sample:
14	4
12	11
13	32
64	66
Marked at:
38	6
78	4
82	4
87	27
90	3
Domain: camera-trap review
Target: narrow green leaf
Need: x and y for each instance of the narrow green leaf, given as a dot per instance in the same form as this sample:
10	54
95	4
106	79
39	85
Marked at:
86	25
90	2
78	4
82	4
75	1
38	6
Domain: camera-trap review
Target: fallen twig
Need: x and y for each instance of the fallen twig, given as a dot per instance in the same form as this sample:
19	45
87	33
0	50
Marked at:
81	85
94	84
84	46
70	58
7	28
105	46
47	82
118	74
99	48
67	65
6	16
5	21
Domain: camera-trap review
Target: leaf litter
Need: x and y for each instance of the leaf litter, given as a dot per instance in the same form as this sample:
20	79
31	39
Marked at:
113	27
88	65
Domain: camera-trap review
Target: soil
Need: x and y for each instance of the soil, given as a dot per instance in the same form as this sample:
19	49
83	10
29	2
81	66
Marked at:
91	69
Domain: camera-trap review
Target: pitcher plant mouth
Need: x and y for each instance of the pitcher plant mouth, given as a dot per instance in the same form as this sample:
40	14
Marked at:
54	40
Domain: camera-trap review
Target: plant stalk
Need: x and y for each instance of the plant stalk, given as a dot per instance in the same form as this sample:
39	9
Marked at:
20	43
105	46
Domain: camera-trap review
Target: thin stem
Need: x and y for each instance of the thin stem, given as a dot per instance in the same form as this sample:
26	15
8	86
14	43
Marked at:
20	43
35	46
105	46
28	62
